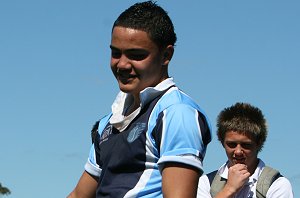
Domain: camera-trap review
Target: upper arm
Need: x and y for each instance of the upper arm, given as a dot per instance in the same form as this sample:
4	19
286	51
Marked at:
179	180
86	187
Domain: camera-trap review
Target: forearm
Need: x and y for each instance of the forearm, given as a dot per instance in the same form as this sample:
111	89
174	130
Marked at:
86	187
226	192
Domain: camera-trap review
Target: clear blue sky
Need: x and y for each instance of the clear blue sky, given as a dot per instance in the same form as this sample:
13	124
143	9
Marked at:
55	80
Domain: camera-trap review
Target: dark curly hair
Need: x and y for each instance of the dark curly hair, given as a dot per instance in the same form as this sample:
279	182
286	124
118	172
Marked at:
151	18
243	118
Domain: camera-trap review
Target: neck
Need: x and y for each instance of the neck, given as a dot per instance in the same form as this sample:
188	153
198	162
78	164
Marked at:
133	106
253	168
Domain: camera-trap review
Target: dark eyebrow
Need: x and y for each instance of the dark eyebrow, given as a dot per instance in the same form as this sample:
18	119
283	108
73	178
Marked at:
238	142
113	48
129	50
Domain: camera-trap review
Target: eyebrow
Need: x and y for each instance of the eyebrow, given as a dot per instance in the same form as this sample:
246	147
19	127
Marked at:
238	142
129	50
113	48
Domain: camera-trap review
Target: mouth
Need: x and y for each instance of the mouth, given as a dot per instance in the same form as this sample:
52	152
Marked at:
124	78
239	160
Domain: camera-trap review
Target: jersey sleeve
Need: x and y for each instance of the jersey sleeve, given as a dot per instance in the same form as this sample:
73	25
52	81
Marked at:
92	166
184	135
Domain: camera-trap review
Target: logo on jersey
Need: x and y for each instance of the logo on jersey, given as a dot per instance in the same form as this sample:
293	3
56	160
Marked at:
136	132
106	132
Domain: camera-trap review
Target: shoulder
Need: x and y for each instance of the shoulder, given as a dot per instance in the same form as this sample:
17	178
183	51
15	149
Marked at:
204	180
175	100
281	187
104	120
176	96
203	187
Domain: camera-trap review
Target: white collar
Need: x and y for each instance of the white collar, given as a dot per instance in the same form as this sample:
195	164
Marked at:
124	100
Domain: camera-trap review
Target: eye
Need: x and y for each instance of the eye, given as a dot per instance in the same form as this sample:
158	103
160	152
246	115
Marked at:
137	56
231	144
115	53
247	145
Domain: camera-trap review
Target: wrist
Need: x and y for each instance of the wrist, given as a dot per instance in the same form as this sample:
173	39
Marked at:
228	191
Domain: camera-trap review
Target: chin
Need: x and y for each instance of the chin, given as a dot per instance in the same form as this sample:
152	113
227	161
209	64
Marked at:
126	88
130	88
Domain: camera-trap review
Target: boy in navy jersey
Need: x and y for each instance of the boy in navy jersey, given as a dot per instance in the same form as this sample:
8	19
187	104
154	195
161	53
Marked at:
153	142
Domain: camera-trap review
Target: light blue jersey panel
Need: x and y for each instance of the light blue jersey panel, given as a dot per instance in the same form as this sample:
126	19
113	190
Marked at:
181	137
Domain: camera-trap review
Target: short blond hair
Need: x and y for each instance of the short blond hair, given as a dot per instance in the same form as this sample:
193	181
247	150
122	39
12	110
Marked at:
243	118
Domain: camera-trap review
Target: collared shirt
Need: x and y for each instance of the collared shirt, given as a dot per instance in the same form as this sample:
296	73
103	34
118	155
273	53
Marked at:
123	101
281	187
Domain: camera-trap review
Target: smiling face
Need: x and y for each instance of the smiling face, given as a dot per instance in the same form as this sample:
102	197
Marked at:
241	149
136	61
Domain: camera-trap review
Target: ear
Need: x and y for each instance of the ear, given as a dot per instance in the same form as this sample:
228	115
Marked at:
167	54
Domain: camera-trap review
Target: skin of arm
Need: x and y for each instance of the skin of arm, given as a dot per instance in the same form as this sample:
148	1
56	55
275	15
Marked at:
85	188
179	180
237	176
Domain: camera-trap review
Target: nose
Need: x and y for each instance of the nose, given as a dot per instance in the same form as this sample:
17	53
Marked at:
123	63
238	150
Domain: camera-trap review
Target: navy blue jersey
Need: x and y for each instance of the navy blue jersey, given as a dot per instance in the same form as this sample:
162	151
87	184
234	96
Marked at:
169	128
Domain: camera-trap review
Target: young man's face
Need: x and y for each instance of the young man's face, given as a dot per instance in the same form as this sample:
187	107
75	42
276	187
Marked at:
136	61
241	149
